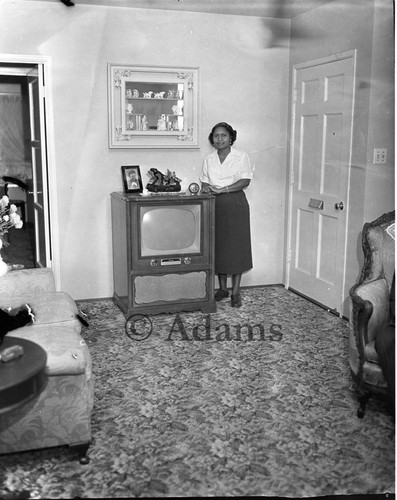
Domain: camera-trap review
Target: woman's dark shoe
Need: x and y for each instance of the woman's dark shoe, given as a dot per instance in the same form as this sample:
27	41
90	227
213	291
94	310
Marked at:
236	300
220	295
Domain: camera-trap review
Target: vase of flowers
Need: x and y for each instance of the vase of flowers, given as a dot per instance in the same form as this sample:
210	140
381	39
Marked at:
8	219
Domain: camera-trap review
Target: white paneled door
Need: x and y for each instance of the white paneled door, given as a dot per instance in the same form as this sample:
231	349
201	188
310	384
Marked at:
321	152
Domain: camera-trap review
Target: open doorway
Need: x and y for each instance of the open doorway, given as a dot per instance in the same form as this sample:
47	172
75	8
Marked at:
23	165
16	175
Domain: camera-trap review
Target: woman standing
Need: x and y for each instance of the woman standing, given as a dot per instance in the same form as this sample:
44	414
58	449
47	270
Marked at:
226	173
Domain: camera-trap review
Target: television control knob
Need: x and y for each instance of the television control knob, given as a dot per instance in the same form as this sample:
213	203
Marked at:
154	262
187	260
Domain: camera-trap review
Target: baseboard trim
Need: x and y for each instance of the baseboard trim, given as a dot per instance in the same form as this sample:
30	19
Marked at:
319	304
271	285
93	300
247	287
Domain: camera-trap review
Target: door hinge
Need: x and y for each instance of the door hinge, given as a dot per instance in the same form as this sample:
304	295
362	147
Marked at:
292	177
289	256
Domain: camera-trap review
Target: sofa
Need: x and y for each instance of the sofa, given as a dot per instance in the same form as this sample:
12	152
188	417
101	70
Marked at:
61	413
371	308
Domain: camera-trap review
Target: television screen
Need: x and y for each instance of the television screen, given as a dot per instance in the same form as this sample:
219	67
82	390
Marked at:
168	230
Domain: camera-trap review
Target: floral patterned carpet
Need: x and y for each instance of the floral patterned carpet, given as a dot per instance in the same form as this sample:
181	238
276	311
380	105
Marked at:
226	415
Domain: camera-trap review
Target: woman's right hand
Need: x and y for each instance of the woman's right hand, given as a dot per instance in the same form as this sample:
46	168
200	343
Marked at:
205	188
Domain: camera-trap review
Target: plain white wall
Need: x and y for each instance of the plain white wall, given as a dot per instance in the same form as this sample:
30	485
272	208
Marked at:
244	80
380	185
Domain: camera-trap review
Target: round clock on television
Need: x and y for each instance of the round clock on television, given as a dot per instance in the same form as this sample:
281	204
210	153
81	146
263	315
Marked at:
194	188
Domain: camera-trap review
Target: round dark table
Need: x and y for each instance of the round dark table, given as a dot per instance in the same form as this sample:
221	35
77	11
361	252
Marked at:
23	378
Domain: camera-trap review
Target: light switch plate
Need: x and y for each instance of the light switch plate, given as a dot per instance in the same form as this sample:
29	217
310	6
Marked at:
380	155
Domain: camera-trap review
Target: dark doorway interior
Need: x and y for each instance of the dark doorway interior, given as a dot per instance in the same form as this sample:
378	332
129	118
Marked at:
16	162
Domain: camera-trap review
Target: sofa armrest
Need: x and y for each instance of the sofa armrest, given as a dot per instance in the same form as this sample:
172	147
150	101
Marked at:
49	308
25	283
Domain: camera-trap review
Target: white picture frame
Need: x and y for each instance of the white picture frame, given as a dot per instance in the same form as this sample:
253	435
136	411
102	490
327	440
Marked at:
153	107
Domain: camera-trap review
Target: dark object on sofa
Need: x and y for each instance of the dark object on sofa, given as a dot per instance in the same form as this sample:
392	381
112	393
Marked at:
14	318
370	308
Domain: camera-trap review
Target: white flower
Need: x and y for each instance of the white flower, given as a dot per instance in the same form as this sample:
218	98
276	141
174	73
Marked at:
4	202
15	218
8	216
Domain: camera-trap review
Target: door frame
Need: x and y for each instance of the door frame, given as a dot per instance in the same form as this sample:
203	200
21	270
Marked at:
296	67
46	63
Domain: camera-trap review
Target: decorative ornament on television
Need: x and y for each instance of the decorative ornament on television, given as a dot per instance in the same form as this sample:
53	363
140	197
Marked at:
194	188
163	183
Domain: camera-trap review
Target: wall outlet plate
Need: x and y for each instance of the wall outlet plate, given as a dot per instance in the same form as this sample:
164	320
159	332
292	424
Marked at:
380	155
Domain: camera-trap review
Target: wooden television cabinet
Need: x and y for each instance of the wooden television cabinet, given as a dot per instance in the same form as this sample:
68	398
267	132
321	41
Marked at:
163	252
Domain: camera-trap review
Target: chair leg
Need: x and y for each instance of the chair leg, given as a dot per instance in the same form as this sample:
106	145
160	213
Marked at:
81	449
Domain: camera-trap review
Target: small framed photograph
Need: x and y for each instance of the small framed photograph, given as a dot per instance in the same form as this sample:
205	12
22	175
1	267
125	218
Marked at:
132	179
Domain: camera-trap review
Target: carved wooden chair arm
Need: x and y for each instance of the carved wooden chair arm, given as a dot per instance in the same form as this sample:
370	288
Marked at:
362	312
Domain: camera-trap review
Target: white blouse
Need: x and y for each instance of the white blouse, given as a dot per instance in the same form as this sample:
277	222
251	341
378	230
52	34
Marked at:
236	166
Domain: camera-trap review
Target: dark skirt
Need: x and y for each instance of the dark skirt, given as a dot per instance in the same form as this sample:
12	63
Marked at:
232	234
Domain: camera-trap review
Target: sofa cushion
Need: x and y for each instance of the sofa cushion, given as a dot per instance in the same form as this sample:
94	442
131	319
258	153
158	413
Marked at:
54	307
67	352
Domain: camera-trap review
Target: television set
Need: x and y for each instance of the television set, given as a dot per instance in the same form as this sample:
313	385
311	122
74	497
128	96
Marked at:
163	252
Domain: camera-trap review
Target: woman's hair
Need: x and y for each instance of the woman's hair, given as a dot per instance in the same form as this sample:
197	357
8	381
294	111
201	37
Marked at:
229	128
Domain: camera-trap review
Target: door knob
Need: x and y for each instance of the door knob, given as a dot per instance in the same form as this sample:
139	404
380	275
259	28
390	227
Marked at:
339	206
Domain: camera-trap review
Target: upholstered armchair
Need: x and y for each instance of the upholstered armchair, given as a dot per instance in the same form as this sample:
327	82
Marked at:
370	308
61	413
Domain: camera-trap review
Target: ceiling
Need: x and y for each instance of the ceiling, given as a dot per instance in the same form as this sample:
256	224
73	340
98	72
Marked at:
258	8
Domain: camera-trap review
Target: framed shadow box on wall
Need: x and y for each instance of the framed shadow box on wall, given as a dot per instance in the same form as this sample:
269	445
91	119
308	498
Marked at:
153	107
